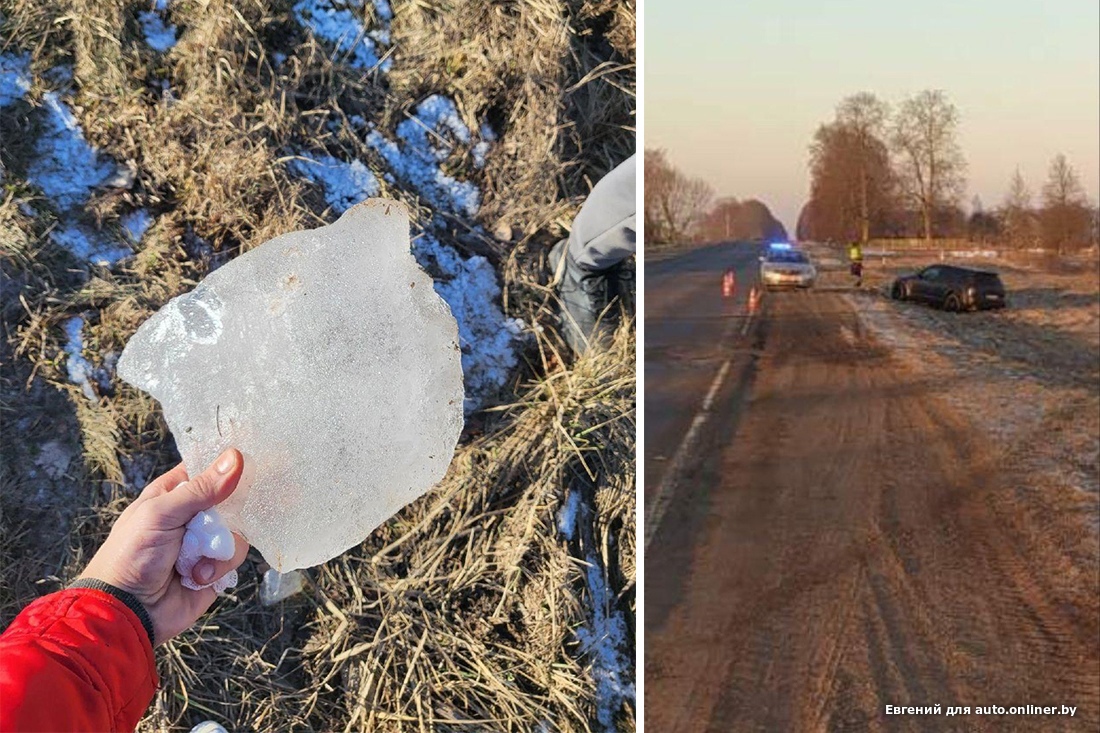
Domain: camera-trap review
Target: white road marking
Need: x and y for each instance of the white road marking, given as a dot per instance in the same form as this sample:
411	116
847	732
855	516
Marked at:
656	509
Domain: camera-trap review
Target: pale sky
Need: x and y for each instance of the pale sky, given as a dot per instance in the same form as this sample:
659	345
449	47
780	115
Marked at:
735	90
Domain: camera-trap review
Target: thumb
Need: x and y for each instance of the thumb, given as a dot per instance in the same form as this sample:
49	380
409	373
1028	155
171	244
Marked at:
214	485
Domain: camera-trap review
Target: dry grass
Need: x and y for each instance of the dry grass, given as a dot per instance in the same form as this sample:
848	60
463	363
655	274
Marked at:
461	612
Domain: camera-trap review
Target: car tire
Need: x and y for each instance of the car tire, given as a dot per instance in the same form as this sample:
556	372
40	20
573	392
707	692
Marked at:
951	303
897	292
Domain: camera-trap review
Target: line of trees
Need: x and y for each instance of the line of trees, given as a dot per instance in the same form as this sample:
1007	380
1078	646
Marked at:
881	173
679	208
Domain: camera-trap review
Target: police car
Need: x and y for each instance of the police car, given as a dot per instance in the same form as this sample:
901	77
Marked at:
784	266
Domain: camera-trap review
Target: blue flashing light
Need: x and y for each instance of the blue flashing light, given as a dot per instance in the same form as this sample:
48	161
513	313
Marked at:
779	245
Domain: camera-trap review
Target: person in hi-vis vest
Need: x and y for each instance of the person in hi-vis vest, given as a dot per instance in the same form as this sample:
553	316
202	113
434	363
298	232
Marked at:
855	256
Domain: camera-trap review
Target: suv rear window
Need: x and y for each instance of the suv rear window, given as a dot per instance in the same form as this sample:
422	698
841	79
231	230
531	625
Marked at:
987	279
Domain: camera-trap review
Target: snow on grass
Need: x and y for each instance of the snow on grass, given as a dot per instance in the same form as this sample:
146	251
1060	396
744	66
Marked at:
66	167
135	224
15	77
424	142
603	641
80	370
567	515
486	336
158	33
339	24
344	184
89	245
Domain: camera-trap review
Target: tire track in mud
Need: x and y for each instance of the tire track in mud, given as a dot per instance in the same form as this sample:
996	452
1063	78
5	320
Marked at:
860	550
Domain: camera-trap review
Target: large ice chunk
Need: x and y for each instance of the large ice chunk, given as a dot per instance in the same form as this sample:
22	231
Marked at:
329	361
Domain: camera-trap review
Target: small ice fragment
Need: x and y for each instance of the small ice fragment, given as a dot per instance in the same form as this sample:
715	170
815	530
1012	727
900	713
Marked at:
278	586
207	535
208	726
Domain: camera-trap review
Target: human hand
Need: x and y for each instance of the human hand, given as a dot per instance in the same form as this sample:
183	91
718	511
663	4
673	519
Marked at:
139	556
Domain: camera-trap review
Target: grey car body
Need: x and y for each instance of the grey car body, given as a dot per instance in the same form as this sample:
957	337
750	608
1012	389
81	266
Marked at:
786	268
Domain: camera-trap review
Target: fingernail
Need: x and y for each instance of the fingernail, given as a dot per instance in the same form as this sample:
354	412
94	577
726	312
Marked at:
225	463
203	572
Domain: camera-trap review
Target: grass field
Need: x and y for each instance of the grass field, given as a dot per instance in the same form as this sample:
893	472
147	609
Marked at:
143	145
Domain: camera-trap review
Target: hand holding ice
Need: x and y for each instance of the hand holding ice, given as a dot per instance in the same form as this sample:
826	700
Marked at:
206	535
327	358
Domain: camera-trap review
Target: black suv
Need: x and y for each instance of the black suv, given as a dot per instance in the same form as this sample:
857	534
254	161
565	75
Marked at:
952	288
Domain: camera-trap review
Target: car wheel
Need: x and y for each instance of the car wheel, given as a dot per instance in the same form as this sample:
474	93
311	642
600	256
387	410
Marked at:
951	303
897	292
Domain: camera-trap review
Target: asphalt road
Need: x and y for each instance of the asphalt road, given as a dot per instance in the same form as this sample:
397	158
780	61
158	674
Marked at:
839	539
690	331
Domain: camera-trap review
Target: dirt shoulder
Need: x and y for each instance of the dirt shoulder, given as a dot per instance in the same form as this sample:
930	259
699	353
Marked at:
864	544
1029	375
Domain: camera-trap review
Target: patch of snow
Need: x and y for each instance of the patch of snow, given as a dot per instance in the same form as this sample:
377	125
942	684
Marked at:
603	641
487	133
80	370
15	77
567	515
383	10
425	141
988	254
486	337
345	184
54	458
137	471
135	224
66	167
160	35
88	245
338	24
479	152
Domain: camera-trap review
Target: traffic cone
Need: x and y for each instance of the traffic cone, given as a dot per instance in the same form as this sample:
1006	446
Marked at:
729	284
754	299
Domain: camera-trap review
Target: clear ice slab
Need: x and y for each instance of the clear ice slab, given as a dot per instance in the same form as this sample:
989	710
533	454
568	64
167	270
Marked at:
327	358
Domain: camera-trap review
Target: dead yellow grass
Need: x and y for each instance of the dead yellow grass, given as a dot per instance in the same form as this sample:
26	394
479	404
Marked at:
460	613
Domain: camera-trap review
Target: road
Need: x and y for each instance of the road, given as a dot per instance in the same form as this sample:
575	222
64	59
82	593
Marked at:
838	539
691	331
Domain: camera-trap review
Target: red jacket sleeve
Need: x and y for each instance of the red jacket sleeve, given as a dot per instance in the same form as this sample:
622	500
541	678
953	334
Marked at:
77	660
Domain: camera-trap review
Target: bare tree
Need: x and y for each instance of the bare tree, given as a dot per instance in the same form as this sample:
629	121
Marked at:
1017	216
851	182
674	203
863	115
658	179
1065	216
932	166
